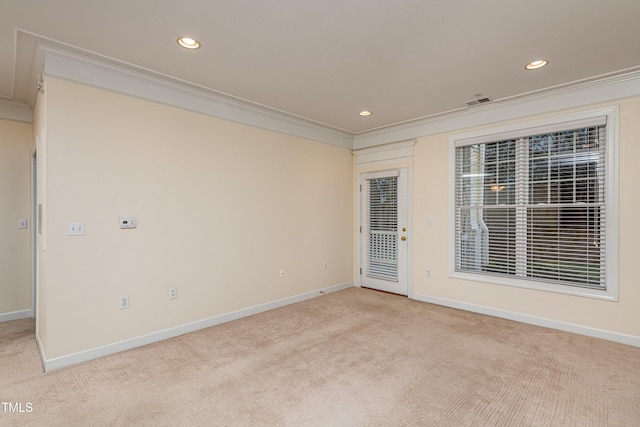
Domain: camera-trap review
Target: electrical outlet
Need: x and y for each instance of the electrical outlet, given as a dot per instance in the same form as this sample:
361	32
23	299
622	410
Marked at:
124	301
75	229
173	293
429	273
282	273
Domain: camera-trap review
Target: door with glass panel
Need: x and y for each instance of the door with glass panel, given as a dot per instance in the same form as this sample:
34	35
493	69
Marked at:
384	232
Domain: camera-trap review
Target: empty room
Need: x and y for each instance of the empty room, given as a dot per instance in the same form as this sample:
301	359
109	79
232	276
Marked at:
345	213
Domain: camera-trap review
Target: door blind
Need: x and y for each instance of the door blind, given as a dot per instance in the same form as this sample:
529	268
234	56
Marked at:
381	223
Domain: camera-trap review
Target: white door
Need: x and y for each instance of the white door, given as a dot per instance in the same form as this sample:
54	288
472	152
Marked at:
384	232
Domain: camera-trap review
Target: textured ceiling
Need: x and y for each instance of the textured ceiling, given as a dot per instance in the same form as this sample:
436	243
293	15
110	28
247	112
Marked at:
327	60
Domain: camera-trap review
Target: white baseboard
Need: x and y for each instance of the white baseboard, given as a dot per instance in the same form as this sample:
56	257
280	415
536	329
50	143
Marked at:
534	320
15	315
105	350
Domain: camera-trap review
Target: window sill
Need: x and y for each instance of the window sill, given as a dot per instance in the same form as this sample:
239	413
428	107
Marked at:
607	295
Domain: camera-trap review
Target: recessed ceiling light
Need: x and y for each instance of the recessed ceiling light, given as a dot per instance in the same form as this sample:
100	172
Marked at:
365	113
534	65
188	43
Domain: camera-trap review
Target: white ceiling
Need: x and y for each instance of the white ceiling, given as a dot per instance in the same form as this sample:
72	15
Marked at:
326	60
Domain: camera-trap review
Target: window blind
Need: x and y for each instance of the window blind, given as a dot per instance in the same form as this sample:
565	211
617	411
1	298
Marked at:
534	207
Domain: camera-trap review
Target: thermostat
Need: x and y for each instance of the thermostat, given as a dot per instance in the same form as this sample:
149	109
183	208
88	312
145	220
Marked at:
127	222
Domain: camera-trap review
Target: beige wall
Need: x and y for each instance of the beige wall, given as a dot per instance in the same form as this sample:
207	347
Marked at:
221	208
431	201
15	179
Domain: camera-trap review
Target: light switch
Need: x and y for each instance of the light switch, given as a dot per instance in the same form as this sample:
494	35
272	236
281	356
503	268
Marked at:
22	224
127	222
75	229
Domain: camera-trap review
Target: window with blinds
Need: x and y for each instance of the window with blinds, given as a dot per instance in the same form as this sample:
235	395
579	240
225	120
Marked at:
534	207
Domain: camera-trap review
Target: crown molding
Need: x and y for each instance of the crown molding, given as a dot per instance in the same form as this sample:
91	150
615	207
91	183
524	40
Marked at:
606	89
104	73
15	111
83	67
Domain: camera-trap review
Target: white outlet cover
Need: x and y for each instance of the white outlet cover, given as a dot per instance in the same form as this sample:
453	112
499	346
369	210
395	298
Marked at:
75	229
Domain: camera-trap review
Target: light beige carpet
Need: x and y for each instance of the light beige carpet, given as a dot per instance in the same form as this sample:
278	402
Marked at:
351	358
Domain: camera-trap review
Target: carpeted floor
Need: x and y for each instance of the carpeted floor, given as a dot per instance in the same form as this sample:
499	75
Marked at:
351	358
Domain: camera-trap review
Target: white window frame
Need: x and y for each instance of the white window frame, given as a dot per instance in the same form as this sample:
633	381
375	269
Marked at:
534	127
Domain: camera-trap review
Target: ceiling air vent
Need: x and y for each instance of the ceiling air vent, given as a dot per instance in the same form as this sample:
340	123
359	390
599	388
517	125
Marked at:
478	101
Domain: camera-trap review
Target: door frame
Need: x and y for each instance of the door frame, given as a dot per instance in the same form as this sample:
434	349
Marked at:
382	158
34	232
